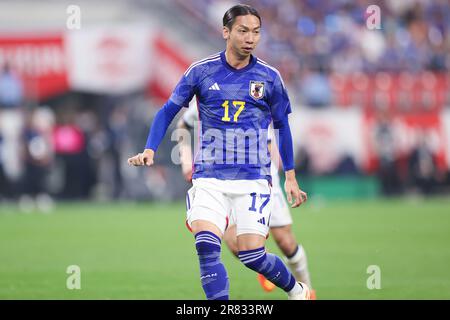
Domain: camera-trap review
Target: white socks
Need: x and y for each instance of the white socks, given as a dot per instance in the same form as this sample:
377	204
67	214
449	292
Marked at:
296	290
299	266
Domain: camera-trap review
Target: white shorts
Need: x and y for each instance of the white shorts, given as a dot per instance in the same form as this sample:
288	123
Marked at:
281	216
246	202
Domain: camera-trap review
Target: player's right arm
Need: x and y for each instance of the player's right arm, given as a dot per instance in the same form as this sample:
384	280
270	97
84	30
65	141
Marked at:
158	129
183	93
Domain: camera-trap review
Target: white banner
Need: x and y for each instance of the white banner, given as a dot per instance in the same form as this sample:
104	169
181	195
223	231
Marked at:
329	136
113	59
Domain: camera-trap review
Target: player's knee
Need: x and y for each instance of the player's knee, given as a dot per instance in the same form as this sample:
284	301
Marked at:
207	242
232	245
253	259
231	240
285	241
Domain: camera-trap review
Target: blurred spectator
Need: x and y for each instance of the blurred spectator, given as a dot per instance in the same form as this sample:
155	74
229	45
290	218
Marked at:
11	89
70	150
11	124
316	91
3	180
386	152
302	163
347	166
422	167
38	159
38	151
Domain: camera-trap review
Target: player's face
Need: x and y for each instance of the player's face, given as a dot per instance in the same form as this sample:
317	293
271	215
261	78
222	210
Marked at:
244	35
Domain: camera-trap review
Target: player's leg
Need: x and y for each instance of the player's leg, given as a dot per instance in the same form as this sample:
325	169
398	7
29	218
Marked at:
231	240
293	251
253	255
252	218
207	220
280	228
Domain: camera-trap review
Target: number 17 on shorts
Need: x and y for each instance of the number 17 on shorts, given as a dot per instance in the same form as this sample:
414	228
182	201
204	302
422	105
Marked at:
255	218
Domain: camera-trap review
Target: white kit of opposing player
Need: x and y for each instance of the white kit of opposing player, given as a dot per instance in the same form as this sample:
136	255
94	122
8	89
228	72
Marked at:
281	215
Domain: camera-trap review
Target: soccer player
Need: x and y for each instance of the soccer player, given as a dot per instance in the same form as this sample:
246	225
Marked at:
239	96
280	219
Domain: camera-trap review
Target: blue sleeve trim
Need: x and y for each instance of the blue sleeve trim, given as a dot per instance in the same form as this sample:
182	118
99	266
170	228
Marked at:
160	124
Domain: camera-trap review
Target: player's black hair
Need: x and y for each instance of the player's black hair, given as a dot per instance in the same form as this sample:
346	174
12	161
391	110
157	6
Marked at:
238	10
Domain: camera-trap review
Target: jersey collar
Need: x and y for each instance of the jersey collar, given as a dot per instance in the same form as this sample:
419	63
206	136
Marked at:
247	67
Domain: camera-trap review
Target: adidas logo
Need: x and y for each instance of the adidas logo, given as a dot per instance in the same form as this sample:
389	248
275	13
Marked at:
215	86
262	221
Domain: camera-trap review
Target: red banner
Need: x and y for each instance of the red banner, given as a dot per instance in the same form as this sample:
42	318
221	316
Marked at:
168	68
40	62
402	133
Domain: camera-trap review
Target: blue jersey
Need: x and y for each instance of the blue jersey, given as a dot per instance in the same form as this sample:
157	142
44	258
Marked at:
235	109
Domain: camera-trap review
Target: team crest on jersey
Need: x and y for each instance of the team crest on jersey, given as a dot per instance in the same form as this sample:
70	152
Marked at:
257	89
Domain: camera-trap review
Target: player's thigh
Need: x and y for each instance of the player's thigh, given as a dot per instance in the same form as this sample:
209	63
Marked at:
204	225
252	212
207	210
281	232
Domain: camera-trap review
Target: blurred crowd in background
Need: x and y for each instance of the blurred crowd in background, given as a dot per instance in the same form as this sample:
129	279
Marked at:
312	39
75	145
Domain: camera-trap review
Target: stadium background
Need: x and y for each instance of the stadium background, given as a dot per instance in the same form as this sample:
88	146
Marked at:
371	127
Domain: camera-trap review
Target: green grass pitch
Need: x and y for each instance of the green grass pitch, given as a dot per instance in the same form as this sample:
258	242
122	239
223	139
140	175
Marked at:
144	251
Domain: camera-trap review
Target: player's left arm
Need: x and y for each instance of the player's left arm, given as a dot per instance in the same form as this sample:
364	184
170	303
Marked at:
280	109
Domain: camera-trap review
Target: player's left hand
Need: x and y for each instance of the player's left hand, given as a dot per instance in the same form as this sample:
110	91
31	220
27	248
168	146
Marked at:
295	196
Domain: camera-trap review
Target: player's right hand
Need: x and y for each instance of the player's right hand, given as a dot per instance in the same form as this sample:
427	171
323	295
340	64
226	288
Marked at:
142	159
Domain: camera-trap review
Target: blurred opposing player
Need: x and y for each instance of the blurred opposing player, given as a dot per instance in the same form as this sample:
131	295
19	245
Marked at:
239	96
280	219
